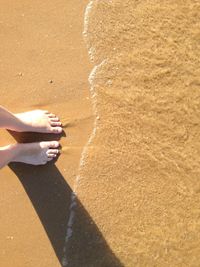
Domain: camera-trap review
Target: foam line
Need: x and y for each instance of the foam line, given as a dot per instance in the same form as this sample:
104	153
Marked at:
73	202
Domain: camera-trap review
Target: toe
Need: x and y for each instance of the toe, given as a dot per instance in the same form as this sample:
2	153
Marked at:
52	151
53	144
54	119
52	155
51	115
56	123
56	130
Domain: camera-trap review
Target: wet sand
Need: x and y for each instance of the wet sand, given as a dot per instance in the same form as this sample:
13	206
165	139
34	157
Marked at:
140	182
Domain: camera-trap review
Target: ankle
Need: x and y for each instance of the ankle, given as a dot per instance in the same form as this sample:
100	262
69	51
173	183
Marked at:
8	154
14	124
8	120
12	151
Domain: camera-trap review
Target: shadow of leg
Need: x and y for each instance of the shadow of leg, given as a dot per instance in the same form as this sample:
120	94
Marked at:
88	247
51	197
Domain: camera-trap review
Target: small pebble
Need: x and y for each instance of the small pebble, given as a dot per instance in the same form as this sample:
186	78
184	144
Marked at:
10	237
109	82
50	81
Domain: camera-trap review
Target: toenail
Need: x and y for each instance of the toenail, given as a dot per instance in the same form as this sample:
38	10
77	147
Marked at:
55	146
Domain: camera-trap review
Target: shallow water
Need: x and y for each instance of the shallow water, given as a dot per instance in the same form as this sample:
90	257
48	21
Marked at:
140	177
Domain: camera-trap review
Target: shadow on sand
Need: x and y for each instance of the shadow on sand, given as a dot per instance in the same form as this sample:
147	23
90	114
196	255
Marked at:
50	195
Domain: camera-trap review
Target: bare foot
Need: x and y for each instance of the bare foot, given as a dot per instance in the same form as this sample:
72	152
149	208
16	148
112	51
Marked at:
37	121
30	153
36	153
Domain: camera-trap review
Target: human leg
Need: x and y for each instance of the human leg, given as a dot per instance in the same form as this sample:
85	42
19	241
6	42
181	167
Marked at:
31	153
31	121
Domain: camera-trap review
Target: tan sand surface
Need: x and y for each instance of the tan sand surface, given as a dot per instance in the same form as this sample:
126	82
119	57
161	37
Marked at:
141	179
138	190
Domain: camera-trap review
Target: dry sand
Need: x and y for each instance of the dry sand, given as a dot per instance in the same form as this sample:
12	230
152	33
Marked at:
138	190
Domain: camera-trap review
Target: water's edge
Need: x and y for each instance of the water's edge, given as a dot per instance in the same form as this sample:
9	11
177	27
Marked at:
73	199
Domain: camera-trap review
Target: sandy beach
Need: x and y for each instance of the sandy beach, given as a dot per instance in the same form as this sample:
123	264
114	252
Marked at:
125	190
